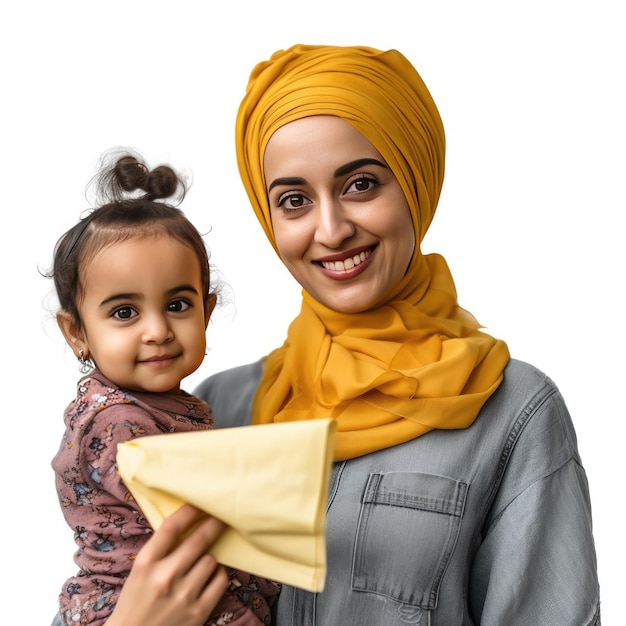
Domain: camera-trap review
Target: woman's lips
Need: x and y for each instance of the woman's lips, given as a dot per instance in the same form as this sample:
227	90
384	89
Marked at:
348	264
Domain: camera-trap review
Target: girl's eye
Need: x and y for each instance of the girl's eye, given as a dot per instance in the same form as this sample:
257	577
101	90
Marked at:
177	306
124	313
292	201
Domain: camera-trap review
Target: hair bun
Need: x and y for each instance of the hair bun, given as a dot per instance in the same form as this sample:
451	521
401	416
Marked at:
161	182
124	177
131	173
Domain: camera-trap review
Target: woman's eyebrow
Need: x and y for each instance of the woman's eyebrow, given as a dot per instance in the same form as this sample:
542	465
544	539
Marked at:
353	165
294	180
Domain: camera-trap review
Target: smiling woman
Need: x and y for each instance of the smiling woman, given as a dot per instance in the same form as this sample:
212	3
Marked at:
450	454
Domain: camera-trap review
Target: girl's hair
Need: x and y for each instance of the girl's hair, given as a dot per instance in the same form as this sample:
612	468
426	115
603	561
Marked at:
131	207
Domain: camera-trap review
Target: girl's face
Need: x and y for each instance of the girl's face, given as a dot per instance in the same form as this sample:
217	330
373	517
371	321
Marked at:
143	313
340	219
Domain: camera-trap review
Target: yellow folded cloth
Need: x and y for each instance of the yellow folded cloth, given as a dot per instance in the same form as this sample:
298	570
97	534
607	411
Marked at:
267	482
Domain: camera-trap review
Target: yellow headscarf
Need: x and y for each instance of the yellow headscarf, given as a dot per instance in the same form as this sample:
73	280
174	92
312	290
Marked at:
418	361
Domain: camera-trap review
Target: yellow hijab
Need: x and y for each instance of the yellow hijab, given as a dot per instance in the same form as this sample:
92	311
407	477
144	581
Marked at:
418	361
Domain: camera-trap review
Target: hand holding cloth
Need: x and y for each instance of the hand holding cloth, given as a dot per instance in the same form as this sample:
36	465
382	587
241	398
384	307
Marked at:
268	483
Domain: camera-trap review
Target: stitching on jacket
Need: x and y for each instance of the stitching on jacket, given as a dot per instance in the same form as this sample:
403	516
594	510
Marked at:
531	407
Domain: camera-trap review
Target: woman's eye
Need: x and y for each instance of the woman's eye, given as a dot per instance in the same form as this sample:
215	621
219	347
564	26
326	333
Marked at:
292	201
359	185
124	313
178	306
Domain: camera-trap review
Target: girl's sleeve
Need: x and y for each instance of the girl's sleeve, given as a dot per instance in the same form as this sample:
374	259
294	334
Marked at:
113	425
109	527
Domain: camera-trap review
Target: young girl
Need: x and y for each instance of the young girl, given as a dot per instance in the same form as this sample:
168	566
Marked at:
133	283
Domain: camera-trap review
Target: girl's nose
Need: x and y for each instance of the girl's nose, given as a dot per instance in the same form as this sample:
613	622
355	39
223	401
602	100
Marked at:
156	329
334	224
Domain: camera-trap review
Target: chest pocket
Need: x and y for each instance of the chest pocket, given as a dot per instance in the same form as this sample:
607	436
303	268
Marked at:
407	530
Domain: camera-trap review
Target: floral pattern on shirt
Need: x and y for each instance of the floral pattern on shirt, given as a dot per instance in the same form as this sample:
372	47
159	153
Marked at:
109	528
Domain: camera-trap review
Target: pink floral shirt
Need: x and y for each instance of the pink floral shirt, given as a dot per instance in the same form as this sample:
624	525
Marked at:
109	527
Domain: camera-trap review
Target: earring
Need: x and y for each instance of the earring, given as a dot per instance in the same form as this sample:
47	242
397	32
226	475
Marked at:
85	363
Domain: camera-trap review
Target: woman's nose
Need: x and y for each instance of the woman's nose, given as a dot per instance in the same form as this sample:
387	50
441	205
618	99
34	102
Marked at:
334	224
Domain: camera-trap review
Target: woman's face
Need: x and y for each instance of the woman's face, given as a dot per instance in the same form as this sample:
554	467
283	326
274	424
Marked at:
340	219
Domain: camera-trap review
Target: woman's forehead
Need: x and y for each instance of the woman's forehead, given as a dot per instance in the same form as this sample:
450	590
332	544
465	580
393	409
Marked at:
317	139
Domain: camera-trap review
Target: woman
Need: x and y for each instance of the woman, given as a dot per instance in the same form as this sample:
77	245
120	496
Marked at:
457	496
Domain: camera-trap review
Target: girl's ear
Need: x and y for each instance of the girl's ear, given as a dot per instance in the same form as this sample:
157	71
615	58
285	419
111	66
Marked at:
209	305
72	333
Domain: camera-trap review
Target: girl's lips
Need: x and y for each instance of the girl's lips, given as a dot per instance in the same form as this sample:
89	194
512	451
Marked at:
160	360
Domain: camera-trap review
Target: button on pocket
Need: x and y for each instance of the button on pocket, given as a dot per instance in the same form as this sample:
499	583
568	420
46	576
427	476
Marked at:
407	530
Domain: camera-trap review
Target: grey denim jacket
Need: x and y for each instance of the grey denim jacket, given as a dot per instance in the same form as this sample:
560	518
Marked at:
487	525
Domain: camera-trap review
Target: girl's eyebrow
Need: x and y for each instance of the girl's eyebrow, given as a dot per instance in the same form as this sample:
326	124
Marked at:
340	171
119	296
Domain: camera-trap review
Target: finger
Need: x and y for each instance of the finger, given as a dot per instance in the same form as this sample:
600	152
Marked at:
212	590
194	545
168	535
205	572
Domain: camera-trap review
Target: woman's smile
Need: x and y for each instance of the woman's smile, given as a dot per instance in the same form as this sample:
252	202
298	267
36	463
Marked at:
347	265
341	222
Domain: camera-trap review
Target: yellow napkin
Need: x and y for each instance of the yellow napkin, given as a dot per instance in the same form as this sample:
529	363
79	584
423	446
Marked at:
267	482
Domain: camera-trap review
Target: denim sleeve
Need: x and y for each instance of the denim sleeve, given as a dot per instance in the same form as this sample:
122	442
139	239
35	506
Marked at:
537	563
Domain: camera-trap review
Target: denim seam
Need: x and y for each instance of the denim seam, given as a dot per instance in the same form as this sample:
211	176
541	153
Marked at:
555	470
531	407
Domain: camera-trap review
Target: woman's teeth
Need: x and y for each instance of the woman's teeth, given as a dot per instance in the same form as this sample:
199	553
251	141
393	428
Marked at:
346	264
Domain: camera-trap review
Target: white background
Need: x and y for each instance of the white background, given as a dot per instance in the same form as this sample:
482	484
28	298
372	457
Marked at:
530	220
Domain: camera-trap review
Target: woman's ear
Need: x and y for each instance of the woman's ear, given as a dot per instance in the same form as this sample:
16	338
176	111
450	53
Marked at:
209	305
72	332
